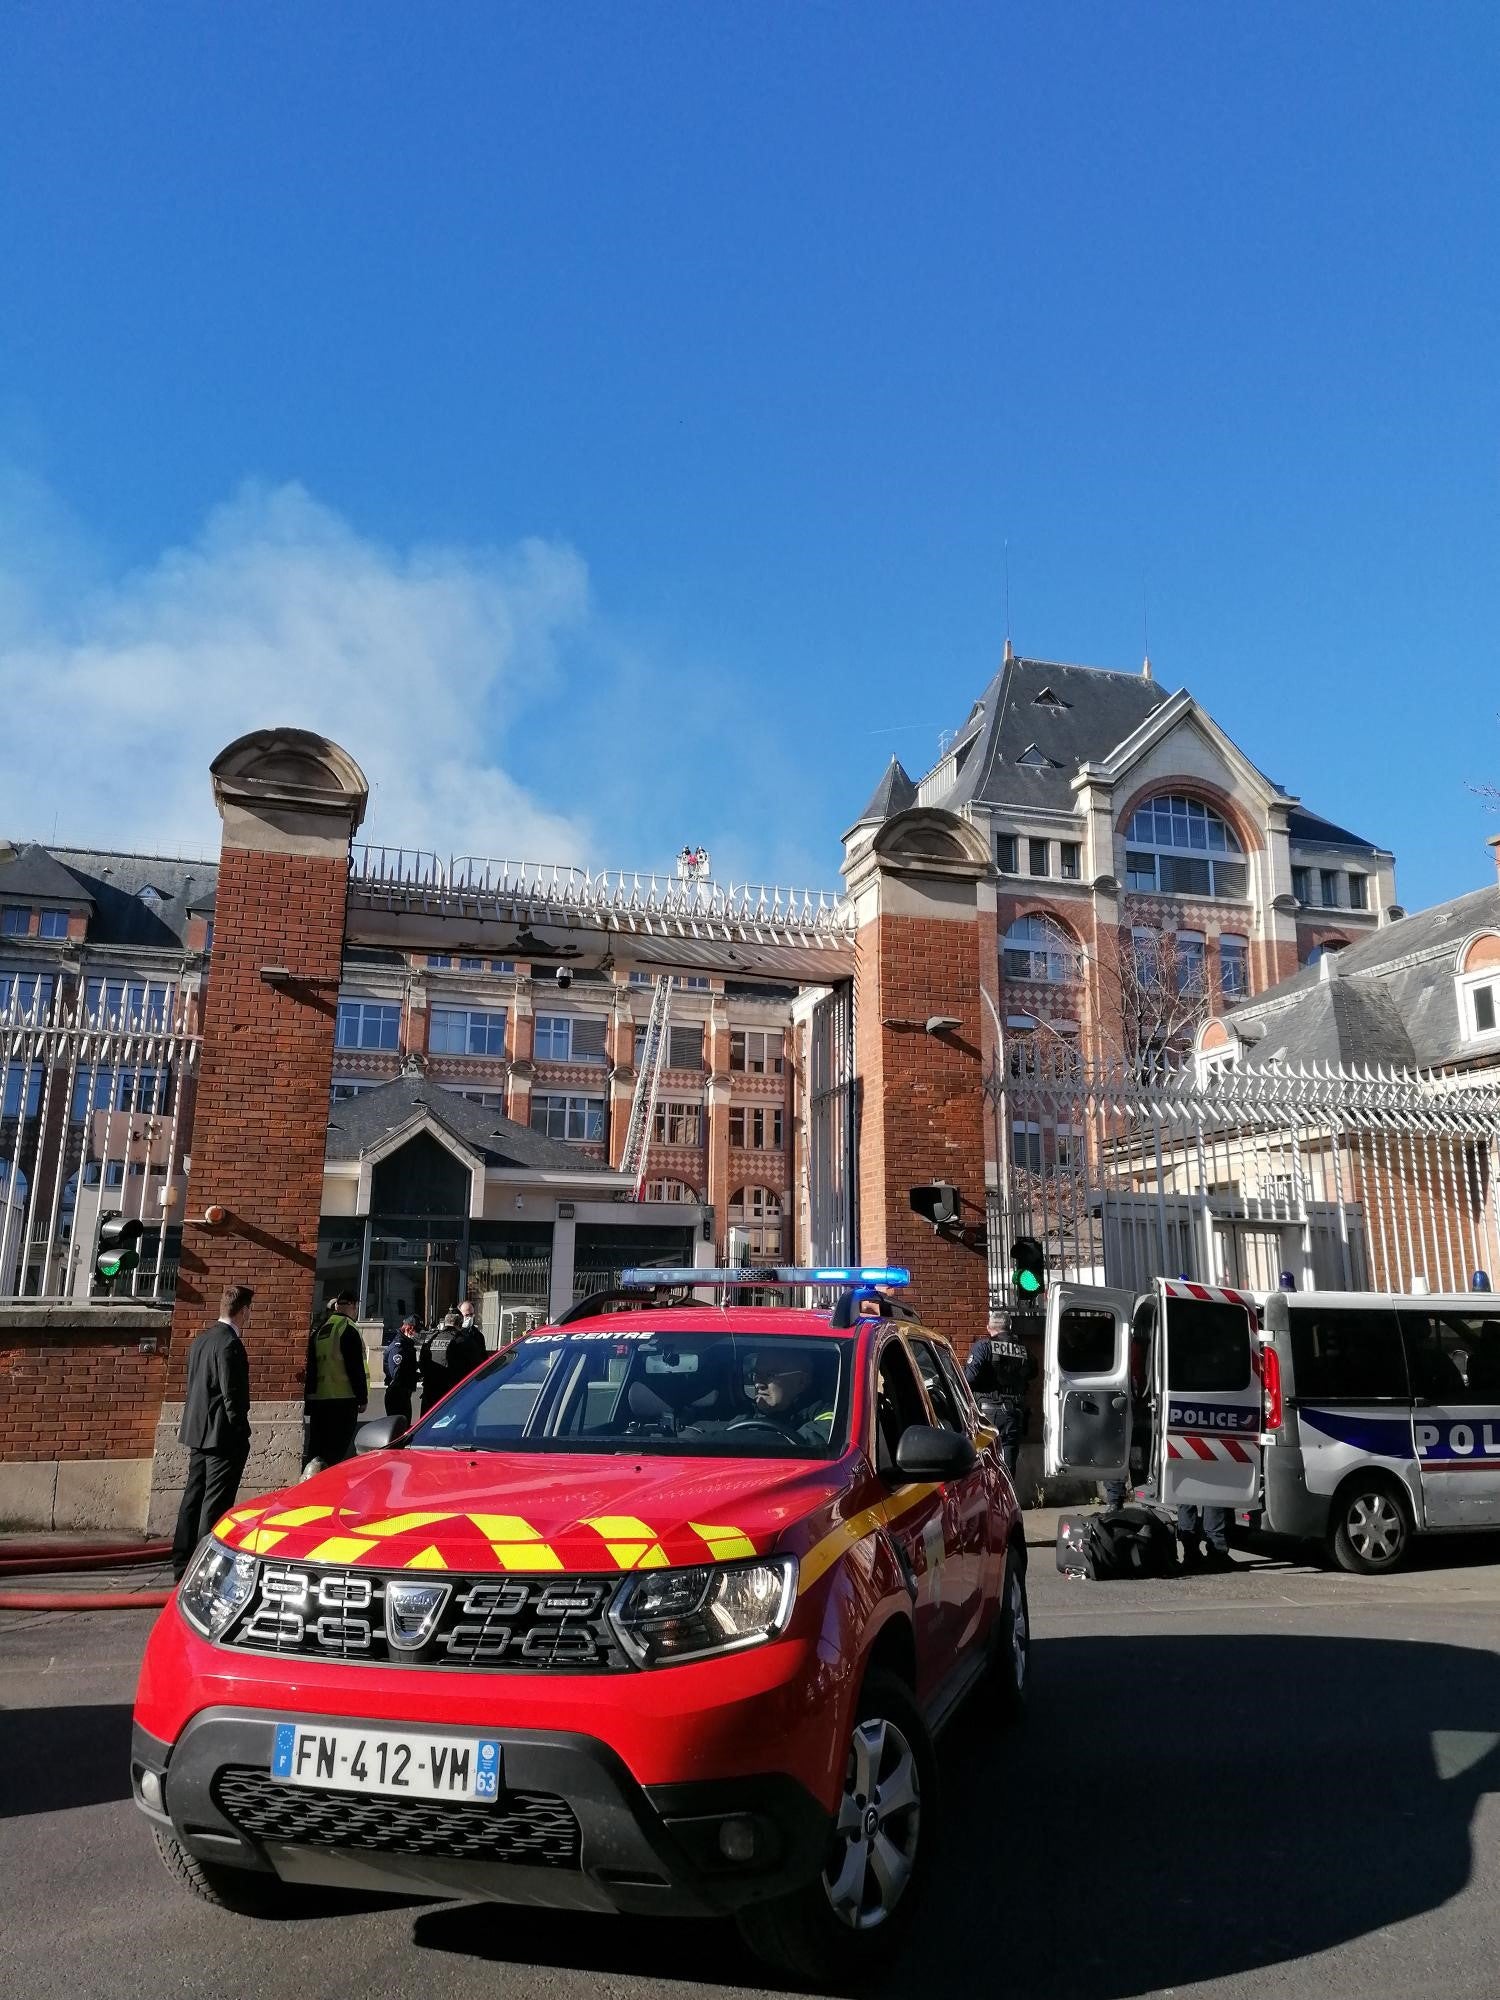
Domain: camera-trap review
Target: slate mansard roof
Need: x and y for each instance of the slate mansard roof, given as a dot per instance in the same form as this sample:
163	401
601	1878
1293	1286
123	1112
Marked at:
1389	999
1037	723
111	886
356	1124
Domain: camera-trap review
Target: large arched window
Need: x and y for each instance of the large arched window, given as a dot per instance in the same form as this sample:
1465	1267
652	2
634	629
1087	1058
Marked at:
1038	947
671	1191
1177	846
757	1211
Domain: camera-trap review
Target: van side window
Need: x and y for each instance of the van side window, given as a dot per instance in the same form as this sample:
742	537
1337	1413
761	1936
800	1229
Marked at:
1086	1341
1347	1354
898	1405
1453	1356
1208	1345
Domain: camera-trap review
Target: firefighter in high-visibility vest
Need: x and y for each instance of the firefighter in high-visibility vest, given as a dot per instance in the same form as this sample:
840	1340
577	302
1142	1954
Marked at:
337	1383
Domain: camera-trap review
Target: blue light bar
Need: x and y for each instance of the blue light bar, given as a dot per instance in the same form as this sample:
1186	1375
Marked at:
665	1276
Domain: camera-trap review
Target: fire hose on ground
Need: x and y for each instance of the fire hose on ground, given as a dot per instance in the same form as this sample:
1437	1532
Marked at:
46	1559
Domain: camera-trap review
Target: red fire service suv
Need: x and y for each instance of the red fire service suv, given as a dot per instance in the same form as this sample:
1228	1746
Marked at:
659	1610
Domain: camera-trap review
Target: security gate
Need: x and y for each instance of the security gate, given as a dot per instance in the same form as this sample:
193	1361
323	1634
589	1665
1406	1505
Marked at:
1345	1179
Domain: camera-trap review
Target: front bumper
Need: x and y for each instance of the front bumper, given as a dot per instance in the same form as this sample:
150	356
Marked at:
574	1831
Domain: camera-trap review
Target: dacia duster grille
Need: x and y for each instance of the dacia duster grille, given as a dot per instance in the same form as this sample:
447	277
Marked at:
530	1828
523	1624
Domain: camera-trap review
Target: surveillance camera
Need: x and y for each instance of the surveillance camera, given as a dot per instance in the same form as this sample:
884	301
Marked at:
564	977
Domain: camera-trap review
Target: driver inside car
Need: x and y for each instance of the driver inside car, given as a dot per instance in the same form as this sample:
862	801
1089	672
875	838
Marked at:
780	1388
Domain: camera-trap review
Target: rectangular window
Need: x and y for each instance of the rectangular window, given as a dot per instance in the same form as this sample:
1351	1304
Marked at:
22	1087
693	982
1070	855
678	1125
54	924
1452	1356
685	1048
756	1127
1185	875
567	1117
471	965
1330	886
1231	878
1302	884
492	1100
570	1037
502	965
1359	891
1140	872
1208	1347
466	1031
1039	861
208	935
147	1091
1234	965
117	1003
756	1051
1484	1010
368	1024
15	922
1086	1337
1347	1356
1005	853
1189	960
346	1087
25	994
1026	1146
439	961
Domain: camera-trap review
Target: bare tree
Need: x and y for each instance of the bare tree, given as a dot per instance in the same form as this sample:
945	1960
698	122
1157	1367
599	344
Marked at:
1153	993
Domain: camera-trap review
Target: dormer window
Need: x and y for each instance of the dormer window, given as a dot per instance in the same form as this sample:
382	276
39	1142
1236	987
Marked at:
1478	989
1034	759
152	898
1047	699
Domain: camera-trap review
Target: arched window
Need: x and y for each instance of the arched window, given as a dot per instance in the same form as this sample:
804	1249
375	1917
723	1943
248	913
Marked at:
758	1211
671	1191
1038	947
1176	846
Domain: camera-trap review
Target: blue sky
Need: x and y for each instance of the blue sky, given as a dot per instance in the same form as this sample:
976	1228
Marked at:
609	420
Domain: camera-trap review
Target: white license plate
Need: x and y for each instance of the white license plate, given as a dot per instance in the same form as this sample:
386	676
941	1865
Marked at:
401	1763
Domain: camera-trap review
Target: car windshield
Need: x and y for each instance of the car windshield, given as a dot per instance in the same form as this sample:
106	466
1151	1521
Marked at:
664	1393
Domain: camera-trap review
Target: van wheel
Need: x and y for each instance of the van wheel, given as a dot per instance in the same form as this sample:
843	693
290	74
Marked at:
1370	1532
248	1892
847	1923
1011	1667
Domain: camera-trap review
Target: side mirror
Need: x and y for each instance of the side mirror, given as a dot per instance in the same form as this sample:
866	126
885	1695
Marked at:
928	1453
379	1434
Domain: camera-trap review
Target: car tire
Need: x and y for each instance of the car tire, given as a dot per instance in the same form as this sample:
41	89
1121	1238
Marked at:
1370	1527
248	1892
846	1923
1010	1669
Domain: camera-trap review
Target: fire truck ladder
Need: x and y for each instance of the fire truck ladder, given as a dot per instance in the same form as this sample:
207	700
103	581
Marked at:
647	1084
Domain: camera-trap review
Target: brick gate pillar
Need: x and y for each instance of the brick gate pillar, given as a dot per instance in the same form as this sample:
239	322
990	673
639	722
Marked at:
290	802
921	886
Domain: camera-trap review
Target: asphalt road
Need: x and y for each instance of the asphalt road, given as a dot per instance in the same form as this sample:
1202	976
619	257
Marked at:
1276	1782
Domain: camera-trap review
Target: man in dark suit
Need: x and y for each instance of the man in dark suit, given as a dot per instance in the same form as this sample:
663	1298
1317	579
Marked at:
215	1424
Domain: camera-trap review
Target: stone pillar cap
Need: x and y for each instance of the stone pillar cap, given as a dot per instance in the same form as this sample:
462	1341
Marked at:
291	779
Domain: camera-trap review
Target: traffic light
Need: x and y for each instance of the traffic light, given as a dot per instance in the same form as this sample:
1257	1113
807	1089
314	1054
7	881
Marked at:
116	1253
937	1203
1028	1267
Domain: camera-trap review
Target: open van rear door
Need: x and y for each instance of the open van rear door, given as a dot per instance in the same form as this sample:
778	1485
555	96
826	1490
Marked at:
1086	1381
1209	1448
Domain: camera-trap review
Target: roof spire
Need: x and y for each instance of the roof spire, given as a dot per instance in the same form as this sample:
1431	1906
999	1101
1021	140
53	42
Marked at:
1146	668
1009	651
1145	629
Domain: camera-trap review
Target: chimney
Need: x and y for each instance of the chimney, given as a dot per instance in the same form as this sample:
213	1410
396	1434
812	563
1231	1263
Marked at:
1146	668
1328	966
1009	651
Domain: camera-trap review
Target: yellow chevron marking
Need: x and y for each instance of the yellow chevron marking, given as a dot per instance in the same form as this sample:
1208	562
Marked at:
260	1540
428	1559
246	1513
621	1528
298	1517
530	1556
504	1528
724	1544
221	1528
822	1556
638	1555
401	1524
340	1549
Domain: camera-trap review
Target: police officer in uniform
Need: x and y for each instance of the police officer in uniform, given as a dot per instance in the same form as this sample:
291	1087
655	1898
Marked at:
337	1383
998	1368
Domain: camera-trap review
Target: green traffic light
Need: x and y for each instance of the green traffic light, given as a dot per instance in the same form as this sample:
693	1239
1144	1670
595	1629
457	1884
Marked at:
110	1267
1028	1281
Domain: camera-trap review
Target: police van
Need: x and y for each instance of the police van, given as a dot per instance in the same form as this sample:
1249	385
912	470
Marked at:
1350	1418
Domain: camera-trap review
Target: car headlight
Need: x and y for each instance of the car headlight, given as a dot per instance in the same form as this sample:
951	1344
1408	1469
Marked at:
218	1586
662	1616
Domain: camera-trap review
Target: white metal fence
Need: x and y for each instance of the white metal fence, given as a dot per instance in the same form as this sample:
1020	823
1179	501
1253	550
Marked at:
1345	1179
96	1101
